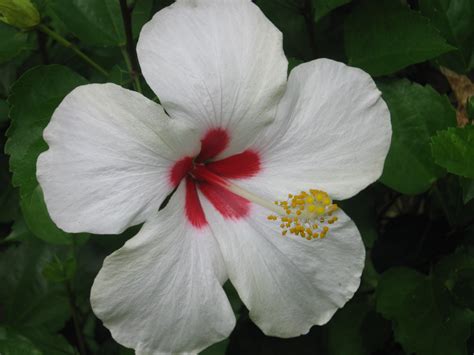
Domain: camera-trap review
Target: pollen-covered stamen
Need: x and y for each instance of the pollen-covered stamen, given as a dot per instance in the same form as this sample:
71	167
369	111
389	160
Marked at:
307	214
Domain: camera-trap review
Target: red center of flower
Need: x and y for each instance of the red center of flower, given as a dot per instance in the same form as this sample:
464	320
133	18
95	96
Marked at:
208	176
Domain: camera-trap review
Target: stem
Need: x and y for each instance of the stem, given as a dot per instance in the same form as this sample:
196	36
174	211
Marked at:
42	47
75	319
128	52
63	41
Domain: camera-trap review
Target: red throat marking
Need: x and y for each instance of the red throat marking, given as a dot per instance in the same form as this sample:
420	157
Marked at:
207	176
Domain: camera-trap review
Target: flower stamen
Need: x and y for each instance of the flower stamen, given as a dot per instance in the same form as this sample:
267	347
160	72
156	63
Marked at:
302	210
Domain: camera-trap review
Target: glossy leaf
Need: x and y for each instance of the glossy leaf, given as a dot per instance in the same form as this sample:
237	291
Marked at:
455	20
425	321
12	42
384	36
322	7
417	113
453	149
28	299
94	22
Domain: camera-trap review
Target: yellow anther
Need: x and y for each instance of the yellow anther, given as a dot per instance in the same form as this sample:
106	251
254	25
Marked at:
306	214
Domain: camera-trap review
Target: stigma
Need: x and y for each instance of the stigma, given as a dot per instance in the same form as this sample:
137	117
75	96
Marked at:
308	214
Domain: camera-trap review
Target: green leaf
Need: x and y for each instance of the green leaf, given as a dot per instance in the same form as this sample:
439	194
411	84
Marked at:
94	22
425	321
346	324
382	37
456	272
323	7
14	343
12	42
32	341
417	112
467	186
58	270
33	99
361	209
3	111
455	20
287	16
27	298
453	149
142	13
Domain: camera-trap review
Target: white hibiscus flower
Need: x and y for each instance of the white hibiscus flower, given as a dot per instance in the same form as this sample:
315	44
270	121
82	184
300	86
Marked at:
238	137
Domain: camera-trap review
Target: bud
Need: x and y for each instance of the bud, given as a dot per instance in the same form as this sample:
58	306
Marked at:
19	13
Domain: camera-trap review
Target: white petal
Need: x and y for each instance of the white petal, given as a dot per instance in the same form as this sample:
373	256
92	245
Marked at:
289	283
332	132
109	158
216	63
161	292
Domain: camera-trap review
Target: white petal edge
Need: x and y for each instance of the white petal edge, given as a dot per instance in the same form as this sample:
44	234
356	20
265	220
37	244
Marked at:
109	159
288	283
217	64
332	132
161	292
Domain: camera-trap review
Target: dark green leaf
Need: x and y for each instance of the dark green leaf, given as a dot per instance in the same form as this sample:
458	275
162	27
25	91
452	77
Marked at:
456	272
3	111
14	343
346	324
289	17
382	37
323	7
33	99
453	149
417	112
27	298
94	22
142	13
455	20
361	209
12	42
58	270
31	341
467	189
425	321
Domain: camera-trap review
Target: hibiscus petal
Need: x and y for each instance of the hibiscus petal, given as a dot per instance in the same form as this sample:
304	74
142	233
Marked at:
110	152
161	292
288	283
215	63
332	132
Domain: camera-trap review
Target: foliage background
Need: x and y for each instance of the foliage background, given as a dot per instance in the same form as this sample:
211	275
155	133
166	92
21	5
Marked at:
417	291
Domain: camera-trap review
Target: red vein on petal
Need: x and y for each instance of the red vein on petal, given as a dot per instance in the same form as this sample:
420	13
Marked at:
193	208
227	203
238	166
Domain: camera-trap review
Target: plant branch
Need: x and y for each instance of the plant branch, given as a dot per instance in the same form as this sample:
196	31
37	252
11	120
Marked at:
129	53
63	41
